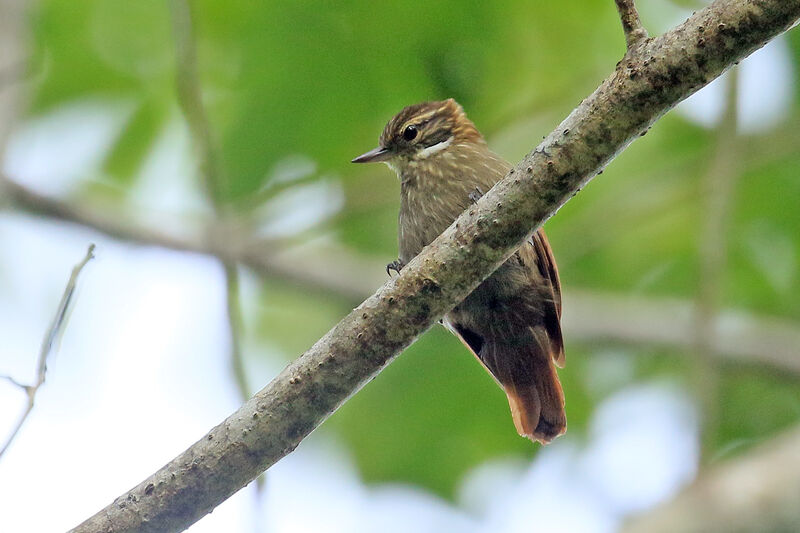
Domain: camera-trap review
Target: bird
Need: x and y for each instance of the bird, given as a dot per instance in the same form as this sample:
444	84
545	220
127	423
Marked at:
512	321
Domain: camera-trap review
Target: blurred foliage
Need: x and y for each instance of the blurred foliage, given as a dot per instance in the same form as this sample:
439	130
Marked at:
319	80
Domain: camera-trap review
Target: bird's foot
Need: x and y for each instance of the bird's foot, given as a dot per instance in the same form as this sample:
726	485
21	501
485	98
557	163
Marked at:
395	265
475	195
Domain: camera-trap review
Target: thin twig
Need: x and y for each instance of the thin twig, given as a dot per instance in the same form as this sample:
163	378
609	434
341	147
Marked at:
49	346
190	99
631	25
236	328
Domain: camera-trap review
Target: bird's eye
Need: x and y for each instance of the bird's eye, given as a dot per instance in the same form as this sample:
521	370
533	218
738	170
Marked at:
410	132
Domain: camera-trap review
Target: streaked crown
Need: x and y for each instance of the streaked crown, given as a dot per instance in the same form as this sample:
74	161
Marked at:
426	125
422	130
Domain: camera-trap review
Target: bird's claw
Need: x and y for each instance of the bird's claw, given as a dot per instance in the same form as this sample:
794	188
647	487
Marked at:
395	265
475	195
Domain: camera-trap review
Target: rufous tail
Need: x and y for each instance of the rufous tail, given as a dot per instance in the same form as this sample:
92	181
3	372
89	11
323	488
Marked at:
537	406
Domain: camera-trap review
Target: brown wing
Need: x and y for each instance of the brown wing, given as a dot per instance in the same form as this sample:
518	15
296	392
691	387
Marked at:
516	335
547	265
537	256
472	341
527	374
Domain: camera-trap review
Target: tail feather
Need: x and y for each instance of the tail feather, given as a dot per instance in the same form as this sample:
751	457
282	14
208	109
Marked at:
526	369
538	407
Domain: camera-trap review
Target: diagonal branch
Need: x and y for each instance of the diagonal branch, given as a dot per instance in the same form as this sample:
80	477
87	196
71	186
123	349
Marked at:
631	25
652	79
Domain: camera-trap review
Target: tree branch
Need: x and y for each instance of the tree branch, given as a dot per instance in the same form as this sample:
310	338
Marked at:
648	82
631	25
757	492
49	344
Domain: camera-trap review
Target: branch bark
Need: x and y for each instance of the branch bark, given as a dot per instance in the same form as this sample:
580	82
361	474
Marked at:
757	492
649	81
631	24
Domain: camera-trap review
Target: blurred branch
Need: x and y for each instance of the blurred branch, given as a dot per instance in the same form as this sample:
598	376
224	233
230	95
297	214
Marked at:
111	224
649	81
191	101
589	316
756	492
263	256
236	328
737	336
631	25
717	191
11	74
13	60
49	344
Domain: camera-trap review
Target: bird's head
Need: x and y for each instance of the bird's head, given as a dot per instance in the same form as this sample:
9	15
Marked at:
422	132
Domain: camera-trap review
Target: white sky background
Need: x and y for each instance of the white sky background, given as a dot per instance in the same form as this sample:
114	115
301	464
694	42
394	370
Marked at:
143	369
